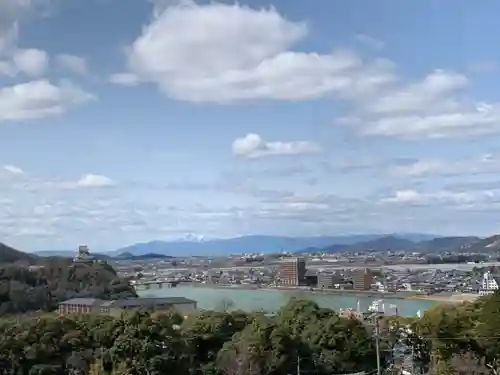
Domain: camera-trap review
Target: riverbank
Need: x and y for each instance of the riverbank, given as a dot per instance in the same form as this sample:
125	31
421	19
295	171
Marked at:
306	290
448	298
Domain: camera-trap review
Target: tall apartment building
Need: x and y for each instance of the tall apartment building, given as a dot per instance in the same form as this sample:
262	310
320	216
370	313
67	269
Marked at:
362	279
293	271
489	284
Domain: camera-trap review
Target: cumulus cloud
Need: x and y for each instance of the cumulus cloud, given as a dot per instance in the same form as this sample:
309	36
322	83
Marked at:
254	58
433	107
32	62
253	146
250	58
11	12
95	180
37	99
7	69
74	64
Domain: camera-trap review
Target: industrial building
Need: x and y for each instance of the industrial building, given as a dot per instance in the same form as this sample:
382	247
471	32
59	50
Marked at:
94	305
293	271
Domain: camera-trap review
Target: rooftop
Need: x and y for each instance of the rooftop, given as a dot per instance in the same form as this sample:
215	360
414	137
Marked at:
83	301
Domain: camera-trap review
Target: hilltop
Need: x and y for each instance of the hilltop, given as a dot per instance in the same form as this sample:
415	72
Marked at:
488	245
25	288
100	256
11	255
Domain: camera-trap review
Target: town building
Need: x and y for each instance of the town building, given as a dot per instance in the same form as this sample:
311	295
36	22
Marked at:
362	279
115	307
489	284
329	280
325	280
293	271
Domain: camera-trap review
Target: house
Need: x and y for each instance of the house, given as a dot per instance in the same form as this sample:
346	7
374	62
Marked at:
94	305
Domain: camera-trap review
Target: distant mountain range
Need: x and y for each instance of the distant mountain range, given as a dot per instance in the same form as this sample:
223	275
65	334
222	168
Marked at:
255	244
353	243
396	243
270	244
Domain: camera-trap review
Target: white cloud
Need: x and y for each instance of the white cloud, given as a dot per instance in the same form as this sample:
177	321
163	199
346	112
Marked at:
33	62
473	166
95	180
11	175
369	41
248	58
419	168
11	13
72	63
431	108
124	79
58	216
424	95
441	197
37	99
404	196
253	146
463	123
7	69
13	169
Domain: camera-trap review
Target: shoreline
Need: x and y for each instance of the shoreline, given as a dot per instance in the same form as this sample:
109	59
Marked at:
441	298
447	298
333	292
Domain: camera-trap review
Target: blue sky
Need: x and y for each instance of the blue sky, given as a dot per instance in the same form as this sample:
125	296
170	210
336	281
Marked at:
128	121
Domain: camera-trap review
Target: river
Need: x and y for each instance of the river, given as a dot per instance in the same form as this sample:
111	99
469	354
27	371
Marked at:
271	300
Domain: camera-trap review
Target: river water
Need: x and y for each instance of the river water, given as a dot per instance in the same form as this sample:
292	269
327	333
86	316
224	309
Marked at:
271	300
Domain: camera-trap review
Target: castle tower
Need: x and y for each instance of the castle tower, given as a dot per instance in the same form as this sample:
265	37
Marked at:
83	255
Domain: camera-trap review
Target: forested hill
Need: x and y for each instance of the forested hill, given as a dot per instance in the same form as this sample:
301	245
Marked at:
10	255
41	287
216	343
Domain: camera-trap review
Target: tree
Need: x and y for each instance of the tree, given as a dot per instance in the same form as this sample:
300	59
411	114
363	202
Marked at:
97	368
487	345
224	305
261	348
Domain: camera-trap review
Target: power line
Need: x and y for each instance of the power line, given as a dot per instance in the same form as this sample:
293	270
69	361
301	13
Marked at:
459	337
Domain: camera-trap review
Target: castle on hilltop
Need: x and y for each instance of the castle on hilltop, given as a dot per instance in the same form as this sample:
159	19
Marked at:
83	255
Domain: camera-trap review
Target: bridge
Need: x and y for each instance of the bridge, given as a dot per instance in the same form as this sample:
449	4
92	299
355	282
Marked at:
156	284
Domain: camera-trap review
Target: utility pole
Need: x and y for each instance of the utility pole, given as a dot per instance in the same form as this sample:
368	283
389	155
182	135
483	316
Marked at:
377	340
298	364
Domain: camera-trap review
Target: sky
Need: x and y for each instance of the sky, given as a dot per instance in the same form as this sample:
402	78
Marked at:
130	121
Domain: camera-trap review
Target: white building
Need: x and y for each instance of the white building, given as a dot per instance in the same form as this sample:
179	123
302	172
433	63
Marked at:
83	255
489	284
